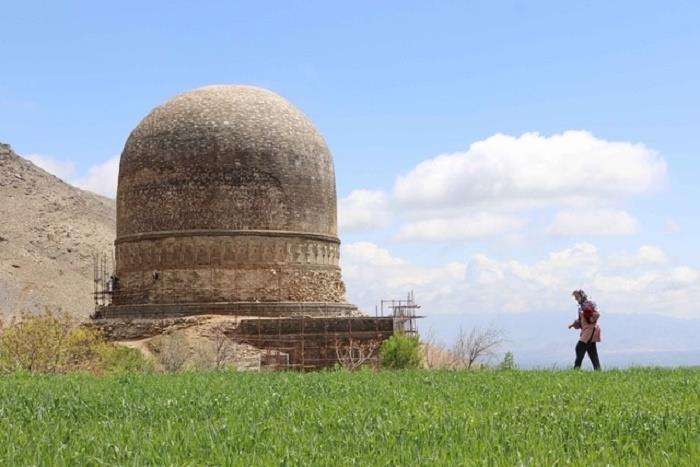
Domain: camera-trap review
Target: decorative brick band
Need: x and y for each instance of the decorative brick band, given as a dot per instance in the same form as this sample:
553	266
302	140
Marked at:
225	268
225	251
205	285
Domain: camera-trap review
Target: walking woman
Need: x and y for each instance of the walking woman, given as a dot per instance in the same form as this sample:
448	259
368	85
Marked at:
587	322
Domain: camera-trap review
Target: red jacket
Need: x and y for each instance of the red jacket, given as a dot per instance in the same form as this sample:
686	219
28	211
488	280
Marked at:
588	322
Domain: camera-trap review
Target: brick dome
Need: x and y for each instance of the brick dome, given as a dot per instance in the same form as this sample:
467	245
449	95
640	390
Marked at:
226	157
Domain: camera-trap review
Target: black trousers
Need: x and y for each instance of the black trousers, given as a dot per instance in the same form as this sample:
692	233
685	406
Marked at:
581	349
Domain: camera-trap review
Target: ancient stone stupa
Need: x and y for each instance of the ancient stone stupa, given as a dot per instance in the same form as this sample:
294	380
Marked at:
226	204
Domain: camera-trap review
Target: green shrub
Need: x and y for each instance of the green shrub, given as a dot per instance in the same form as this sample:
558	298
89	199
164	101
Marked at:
38	343
508	362
401	351
57	343
120	359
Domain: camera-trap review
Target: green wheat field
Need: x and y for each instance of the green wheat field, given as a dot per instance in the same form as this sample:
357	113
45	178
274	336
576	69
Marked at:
633	417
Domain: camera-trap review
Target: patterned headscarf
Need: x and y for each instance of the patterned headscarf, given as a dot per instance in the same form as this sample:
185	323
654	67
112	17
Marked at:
580	295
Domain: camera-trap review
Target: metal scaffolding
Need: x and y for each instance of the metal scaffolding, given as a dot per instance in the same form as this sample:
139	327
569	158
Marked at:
104	280
404	313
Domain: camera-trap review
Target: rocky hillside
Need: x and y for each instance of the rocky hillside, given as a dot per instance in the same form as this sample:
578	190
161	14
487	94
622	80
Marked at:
49	231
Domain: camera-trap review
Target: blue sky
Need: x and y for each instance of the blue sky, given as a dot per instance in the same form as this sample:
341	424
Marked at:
392	85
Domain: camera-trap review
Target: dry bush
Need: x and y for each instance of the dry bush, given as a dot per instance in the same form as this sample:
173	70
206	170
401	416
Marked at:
215	353
437	357
352	354
478	344
223	349
202	357
171	351
435	354
429	347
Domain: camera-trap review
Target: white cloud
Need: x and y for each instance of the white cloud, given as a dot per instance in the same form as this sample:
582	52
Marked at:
468	227
60	168
484	284
644	256
370	254
362	210
573	167
684	275
582	259
101	178
492	188
586	222
372	273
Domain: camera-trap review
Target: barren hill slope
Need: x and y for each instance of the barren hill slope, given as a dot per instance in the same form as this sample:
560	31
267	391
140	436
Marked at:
49	231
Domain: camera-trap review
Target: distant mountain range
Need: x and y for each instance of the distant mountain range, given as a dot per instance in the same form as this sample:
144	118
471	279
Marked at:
49	231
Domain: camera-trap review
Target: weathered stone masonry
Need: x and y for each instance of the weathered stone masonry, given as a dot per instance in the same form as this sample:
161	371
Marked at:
226	195
230	267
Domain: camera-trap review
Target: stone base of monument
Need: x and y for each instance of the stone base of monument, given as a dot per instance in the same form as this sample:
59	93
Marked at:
280	343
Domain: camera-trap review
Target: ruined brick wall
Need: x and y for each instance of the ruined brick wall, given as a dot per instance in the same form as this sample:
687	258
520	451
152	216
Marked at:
311	343
227	194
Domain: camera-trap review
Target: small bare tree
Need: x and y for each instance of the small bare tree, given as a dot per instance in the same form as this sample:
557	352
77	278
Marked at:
171	351
223	349
215	352
432	351
352	354
478	344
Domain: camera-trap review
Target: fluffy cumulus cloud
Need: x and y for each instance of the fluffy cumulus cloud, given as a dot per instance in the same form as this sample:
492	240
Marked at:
590	222
372	273
362	210
367	253
100	178
479	225
646	255
60	168
641	282
495	186
572	167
